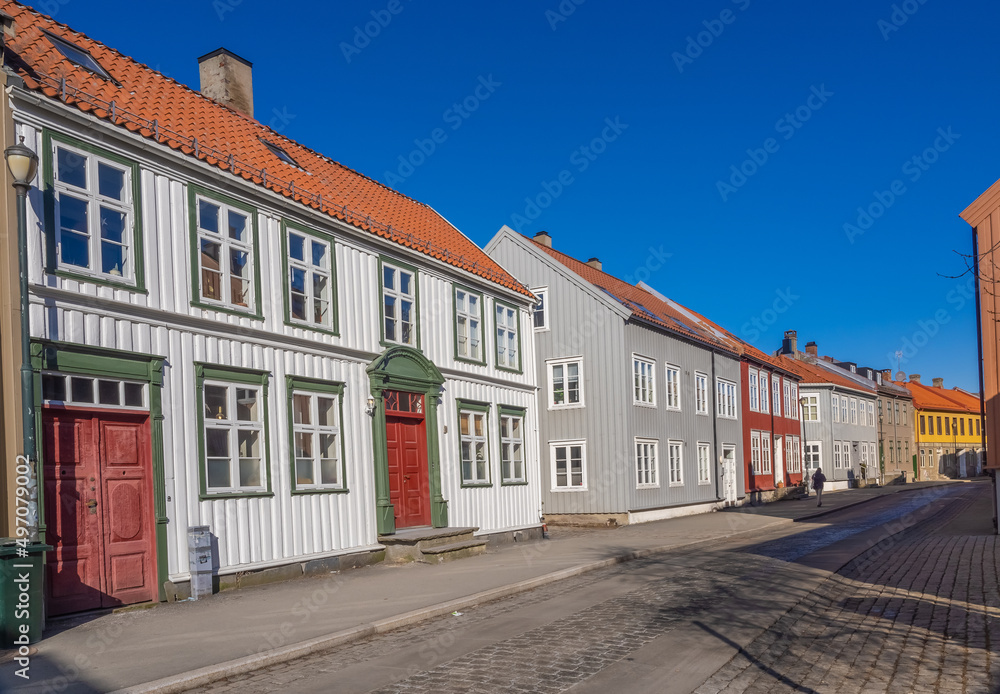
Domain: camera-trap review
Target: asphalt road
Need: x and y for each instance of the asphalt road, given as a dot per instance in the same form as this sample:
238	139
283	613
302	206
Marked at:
898	594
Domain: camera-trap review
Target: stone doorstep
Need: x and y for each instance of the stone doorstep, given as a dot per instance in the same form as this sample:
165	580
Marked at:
425	537
455	550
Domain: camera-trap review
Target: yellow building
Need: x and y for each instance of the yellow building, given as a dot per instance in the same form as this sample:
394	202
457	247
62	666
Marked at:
950	439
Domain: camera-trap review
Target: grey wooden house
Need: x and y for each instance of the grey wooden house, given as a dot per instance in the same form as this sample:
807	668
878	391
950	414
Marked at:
639	402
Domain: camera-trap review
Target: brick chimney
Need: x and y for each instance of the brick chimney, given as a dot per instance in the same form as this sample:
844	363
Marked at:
790	345
914	378
228	79
812	349
938	382
543	238
595	263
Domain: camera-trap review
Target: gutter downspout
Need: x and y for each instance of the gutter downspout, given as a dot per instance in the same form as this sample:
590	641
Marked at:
982	390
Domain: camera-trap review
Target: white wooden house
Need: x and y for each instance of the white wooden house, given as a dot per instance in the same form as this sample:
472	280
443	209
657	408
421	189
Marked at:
229	329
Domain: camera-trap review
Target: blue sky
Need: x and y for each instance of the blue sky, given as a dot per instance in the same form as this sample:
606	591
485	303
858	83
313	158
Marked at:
720	150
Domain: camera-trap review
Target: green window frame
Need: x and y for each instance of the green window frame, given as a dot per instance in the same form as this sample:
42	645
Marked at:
308	269
398	294
474	443
468	319
507	319
306	438
230	422
99	209
511	427
200	202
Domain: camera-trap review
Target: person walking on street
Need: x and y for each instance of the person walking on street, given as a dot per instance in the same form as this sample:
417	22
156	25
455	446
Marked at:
818	479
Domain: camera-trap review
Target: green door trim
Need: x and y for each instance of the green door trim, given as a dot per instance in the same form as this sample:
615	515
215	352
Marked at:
404	368
114	363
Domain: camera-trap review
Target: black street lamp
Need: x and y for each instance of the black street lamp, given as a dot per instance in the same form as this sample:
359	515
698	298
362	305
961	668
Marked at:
22	163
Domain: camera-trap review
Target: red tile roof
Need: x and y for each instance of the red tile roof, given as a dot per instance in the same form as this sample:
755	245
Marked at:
930	398
814	373
147	102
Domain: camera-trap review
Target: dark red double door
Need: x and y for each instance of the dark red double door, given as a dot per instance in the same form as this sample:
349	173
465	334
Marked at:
409	481
98	509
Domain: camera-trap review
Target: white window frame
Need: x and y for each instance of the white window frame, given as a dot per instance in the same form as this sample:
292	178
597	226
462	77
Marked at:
765	388
94	201
755	452
311	271
507	327
788	398
727	399
509	444
568	445
227	246
818	453
794	412
316	431
704	463
543	294
753	386
550	368
776	383
643	381
400	298
854	410
233	427
675	462
871	414
673	387
837	460
835	415
472	319
474	479
847	455
765	453
843	409
96	401
701	393
810	408
647	463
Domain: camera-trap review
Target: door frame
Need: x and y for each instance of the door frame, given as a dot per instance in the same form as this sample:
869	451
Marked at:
67	357
405	369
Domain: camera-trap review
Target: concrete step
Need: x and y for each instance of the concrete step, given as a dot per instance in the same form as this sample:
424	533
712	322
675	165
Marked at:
411	543
455	550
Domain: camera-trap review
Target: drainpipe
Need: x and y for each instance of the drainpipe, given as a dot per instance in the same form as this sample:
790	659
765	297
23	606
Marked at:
982	390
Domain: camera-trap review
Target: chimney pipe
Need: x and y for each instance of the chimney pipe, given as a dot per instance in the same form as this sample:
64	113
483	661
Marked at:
543	238
228	79
938	382
915	378
595	263
812	349
790	345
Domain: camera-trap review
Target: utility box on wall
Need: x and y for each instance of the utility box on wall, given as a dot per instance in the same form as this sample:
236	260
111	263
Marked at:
200	561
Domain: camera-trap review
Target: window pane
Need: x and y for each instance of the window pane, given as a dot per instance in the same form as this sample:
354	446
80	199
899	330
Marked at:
246	405
218	473
249	472
329	470
301	413
303	445
208	216
82	389
217	443
304	471
108	393
319	254
216	406
72	168
112	259
389	278
405	280
505	427
237	226
110	181
326	412
249	443
320	286
464	424
296	246
328	446
53	387
298	293
479	424
211	277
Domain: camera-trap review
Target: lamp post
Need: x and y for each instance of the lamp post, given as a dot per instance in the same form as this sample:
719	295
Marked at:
22	163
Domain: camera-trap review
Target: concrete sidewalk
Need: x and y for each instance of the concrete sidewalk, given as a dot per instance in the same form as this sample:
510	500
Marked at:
178	646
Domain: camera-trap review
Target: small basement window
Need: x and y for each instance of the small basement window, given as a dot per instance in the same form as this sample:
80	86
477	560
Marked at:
280	153
78	56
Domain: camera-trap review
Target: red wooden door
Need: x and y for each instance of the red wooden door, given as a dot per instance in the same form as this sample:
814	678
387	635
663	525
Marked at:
99	501
409	482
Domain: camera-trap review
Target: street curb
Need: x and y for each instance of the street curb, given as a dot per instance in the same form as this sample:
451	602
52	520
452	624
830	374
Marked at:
213	673
873	498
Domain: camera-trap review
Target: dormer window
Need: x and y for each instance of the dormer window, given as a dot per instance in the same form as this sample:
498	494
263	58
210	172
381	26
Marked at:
280	153
78	56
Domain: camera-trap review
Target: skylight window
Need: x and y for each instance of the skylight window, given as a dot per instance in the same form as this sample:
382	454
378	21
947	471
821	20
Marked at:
78	56
280	153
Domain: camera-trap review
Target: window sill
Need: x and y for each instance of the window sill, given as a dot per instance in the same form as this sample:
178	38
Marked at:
467	360
99	280
324	330
514	483
569	489
647	405
307	492
647	486
567	407
705	484
222	308
676	484
510	370
476	485
212	496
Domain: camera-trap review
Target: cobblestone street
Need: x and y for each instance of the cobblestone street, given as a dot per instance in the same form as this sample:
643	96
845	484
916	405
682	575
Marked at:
914	613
